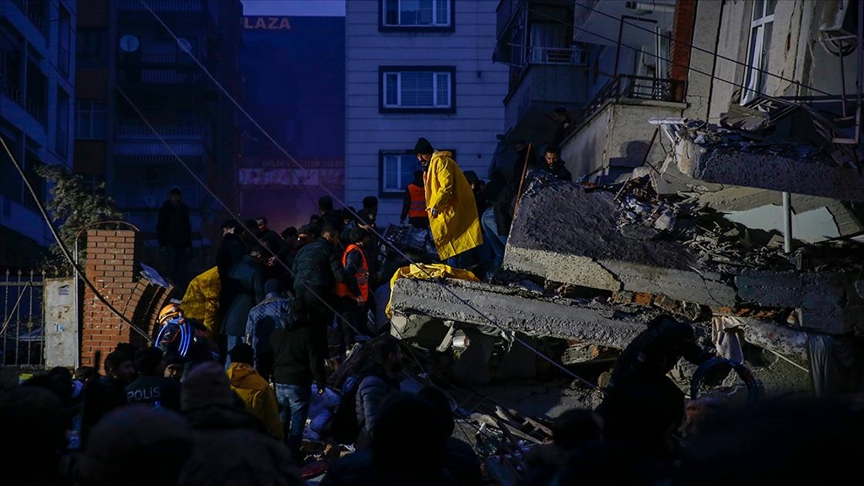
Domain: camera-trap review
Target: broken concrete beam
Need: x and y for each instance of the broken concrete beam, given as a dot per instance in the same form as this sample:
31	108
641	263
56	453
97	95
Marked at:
566	235
530	316
782	340
765	170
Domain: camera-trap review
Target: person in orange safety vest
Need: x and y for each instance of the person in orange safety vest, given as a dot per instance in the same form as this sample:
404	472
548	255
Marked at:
353	293
414	203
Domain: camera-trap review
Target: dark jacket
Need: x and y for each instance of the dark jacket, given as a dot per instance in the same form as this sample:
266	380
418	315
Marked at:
273	242
504	208
230	252
371	391
560	171
173	227
247	280
300	353
231	448
152	389
333	219
101	395
317	268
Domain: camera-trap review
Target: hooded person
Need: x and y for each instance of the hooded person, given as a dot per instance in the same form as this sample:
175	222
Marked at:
136	445
453	218
230	445
255	391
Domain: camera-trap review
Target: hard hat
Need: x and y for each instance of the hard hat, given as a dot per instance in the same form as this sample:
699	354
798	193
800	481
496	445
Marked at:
169	312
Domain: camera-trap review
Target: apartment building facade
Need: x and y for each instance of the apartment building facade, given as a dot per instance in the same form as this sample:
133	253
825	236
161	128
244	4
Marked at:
418	69
37	92
124	51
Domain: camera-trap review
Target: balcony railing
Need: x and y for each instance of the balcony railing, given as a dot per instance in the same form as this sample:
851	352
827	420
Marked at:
10	89
522	57
63	60
138	131
159	76
37	12
36	107
633	87
162	5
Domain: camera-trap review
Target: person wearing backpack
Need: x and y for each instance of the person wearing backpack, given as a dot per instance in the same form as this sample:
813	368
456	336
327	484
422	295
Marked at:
299	354
378	380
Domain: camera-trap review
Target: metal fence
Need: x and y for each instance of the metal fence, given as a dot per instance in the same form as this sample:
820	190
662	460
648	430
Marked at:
22	340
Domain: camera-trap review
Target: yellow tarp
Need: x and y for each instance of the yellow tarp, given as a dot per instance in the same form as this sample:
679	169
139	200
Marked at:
201	301
427	271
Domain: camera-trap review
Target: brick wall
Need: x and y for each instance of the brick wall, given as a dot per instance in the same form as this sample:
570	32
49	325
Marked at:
111	261
683	23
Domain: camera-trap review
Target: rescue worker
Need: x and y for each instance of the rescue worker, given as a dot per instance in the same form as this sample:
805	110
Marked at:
640	372
177	334
555	165
453	218
414	203
201	301
353	291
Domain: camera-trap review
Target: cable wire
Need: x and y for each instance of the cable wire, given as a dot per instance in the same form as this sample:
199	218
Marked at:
513	336
65	250
690	45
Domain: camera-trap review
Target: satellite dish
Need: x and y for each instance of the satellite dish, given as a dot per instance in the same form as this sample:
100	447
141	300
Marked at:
129	43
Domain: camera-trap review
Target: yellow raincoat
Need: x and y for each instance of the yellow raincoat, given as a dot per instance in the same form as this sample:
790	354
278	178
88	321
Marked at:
456	229
426	271
201	301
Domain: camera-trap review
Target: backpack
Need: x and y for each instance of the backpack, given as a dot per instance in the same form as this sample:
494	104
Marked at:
344	427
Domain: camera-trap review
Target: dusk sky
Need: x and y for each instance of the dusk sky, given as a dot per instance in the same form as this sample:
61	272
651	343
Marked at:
327	8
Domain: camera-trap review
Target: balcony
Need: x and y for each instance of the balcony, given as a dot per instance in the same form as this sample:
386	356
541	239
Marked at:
10	89
61	142
144	76
612	136
63	60
37	12
166	132
162	5
604	17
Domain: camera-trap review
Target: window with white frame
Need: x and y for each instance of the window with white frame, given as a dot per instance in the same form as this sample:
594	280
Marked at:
761	28
397	171
417	89
90	120
422	14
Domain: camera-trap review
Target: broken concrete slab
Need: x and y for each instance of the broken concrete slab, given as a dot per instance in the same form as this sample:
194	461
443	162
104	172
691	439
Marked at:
766	170
539	316
567	235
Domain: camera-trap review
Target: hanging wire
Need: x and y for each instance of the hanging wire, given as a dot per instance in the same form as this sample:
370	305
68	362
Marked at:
577	3
63	247
492	321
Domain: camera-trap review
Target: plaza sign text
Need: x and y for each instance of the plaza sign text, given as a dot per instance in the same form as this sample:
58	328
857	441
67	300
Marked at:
266	23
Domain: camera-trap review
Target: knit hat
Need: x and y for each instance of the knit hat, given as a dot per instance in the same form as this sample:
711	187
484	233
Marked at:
206	385
273	287
423	146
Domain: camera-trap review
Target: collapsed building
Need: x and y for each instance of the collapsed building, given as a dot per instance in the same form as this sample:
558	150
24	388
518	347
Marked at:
591	265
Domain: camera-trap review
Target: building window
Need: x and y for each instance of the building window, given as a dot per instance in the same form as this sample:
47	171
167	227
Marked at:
417	89
36	94
64	40
397	171
11	66
417	15
12	185
761	28
89	120
61	140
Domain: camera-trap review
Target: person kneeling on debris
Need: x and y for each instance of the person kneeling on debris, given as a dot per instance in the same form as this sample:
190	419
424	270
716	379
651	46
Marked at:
641	369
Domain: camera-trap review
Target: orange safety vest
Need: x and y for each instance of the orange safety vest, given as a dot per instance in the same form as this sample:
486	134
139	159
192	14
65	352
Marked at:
362	276
417	209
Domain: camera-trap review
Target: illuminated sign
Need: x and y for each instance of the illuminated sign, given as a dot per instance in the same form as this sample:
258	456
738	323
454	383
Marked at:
266	23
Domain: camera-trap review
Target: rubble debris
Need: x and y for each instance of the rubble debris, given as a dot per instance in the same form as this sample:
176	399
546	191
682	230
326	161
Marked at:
538	316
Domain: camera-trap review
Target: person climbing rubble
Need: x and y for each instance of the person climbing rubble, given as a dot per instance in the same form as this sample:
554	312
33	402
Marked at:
453	217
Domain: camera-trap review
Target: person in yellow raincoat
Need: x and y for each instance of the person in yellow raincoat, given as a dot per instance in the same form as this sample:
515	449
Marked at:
201	301
453	217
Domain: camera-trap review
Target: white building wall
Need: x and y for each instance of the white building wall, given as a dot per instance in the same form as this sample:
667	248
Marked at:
479	88
45	50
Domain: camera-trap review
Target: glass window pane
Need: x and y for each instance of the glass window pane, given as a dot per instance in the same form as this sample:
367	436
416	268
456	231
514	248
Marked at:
407	168
767	30
443	88
442	16
391	89
391	172
758	9
769	7
391	14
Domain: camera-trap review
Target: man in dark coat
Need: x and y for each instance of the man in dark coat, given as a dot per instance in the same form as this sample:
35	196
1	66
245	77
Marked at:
105	393
555	165
317	268
151	387
175	238
247	280
330	216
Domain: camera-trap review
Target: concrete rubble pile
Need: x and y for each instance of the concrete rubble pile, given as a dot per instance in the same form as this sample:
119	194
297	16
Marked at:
614	257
